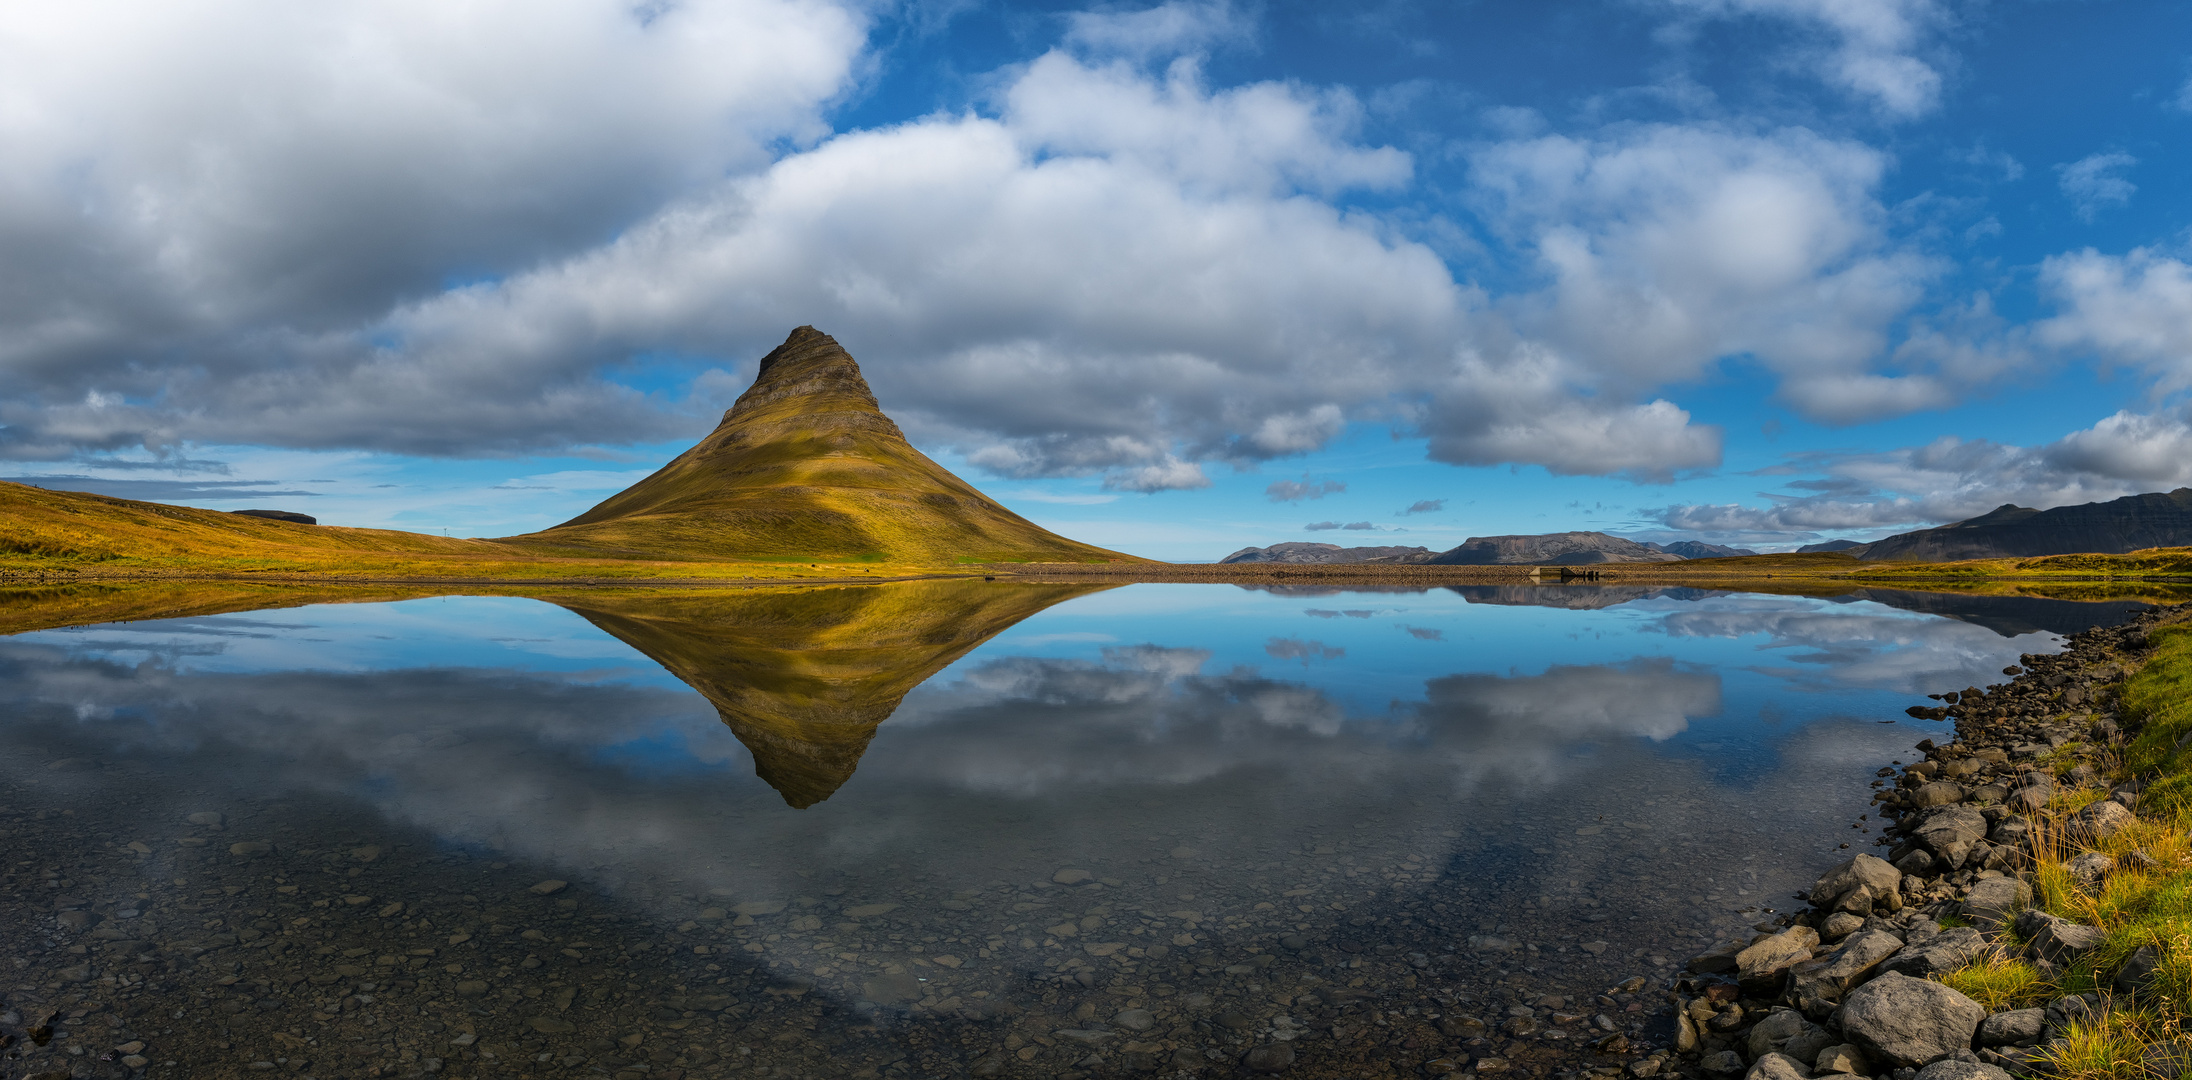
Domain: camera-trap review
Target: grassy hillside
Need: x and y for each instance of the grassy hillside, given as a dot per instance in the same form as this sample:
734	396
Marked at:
47	534
806	466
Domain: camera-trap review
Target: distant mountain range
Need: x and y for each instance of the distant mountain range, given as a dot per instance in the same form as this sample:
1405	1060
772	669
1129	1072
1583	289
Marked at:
2132	523
1693	549
2160	519
1549	549
1305	553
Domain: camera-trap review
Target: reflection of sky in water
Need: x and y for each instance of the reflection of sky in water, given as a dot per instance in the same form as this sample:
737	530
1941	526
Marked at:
1368	652
515	723
440	632
1376	663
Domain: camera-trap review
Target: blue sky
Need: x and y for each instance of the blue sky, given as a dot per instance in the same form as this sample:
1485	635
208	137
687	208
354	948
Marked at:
1176	279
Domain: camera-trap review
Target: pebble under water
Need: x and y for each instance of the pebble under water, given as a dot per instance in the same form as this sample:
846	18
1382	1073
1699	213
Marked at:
935	829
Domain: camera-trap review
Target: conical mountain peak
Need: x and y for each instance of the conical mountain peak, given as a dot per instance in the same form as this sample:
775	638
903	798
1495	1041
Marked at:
811	369
805	466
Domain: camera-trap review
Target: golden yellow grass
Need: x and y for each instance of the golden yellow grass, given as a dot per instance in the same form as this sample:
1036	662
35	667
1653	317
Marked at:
65	534
2145	901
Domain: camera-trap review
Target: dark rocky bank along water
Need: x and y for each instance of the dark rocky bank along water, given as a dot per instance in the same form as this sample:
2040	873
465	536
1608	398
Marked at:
1842	989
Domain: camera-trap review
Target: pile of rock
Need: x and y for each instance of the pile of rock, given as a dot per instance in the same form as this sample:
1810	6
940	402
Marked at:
1844	988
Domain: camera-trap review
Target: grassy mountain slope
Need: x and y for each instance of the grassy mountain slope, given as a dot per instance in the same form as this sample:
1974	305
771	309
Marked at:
806	466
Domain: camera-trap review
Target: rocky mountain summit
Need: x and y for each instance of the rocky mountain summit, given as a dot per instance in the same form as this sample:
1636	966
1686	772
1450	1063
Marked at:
1308	553
1847	988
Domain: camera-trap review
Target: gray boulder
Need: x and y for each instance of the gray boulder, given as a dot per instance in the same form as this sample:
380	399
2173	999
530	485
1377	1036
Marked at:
1721	1063
1772	1033
2091	869
1995	901
1953	1069
2058	941
1785	1031
1777	1067
2017	1027
1943	952
2010	832
1818	987
1919	863
1760	967
2035	793
2070	1009
2095	822
1906	1022
1863	871
1949	832
1938	793
2137	970
1842	1058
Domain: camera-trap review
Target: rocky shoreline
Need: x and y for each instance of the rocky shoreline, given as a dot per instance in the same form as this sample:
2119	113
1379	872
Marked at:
1846	987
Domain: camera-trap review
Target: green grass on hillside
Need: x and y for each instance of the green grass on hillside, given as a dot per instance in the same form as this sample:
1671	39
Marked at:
2146	900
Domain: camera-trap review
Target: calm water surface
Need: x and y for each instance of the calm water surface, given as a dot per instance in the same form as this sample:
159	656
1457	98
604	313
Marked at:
934	829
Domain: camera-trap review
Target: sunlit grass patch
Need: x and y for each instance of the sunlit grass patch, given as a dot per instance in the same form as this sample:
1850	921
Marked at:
2111	1045
2002	982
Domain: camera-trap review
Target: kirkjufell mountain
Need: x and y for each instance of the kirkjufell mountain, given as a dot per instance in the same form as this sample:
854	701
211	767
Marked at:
806	467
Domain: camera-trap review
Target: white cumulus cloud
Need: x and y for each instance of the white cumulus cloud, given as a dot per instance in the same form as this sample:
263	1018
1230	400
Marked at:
1874	49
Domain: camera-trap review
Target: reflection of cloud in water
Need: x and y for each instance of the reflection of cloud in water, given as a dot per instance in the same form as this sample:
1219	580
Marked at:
1859	644
605	775
1149	716
1294	648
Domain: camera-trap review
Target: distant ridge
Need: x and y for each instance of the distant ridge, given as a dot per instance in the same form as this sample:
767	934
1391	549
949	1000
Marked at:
1830	545
2162	519
1695	549
1551	549
806	466
1299	552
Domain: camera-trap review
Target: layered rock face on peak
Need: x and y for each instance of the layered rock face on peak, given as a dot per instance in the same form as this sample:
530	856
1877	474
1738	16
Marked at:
2161	519
1551	549
1307	553
806	467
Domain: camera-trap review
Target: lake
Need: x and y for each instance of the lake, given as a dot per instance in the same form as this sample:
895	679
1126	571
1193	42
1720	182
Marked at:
934	829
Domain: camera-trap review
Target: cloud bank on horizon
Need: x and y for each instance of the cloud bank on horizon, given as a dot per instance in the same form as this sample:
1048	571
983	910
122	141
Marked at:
1141	248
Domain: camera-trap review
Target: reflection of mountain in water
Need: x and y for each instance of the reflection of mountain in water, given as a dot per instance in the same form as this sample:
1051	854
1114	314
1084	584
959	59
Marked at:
804	677
1577	597
2008	616
1331	590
